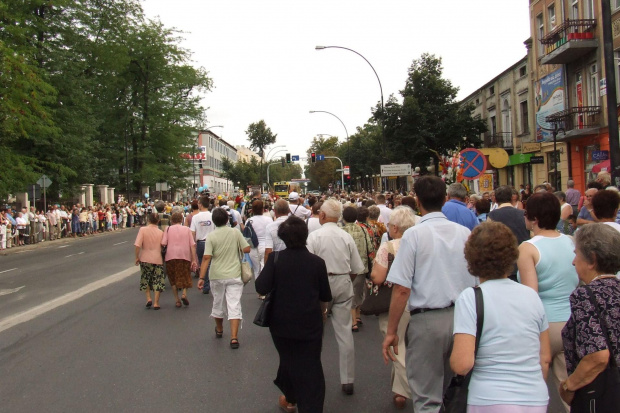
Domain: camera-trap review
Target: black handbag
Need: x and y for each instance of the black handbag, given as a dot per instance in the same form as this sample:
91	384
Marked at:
603	394
378	297
455	398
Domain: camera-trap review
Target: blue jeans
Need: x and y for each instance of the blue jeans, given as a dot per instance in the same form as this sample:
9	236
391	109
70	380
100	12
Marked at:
200	250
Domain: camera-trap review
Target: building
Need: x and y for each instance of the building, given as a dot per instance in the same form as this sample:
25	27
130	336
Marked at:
246	154
569	86
506	103
214	150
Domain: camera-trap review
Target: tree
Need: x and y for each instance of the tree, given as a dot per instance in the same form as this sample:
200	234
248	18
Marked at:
260	136
430	123
322	173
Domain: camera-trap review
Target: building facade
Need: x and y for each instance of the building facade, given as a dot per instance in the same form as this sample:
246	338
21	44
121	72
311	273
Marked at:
215	150
246	154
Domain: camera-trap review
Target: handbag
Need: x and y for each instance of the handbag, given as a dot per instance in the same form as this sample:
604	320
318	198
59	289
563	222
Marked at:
246	267
455	398
602	394
378	297
263	314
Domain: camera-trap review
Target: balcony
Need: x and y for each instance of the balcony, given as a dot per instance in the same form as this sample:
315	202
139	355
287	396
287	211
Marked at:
577	121
498	140
569	41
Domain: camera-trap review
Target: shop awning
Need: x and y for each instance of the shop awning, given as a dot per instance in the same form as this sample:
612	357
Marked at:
606	165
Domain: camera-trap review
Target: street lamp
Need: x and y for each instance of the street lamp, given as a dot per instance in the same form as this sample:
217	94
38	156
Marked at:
345	130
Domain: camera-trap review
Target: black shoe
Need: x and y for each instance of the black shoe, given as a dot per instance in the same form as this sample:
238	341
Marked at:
347	389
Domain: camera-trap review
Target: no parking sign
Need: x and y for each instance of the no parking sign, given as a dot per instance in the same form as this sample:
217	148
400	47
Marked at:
473	163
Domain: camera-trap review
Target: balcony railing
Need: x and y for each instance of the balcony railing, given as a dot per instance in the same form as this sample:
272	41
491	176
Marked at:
498	140
577	118
569	41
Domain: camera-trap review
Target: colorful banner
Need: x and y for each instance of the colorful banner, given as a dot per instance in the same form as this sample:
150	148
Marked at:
549	100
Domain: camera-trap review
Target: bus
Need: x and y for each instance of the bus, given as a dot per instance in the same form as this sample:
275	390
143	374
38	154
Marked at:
282	189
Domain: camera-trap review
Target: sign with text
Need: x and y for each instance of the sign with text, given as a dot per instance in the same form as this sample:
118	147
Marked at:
600	155
537	159
530	147
346	170
403	169
549	99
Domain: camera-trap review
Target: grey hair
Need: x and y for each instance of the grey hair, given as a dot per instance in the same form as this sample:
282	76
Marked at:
402	217
332	208
599	244
475	198
374	212
457	190
570	183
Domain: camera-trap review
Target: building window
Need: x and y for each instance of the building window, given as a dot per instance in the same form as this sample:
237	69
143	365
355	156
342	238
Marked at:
551	16
541	33
493	125
589	9
615	4
575	10
525	124
522	71
477	101
491	90
593	87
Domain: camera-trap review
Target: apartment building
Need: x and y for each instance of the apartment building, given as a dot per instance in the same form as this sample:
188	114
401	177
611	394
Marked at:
246	154
210	171
569	86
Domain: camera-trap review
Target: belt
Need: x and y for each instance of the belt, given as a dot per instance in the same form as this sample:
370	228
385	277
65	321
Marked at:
424	310
332	273
201	240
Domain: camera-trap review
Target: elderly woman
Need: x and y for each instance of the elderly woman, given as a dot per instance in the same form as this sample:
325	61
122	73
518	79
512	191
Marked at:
513	356
148	256
566	210
545	265
300	287
180	257
592	334
402	219
223	248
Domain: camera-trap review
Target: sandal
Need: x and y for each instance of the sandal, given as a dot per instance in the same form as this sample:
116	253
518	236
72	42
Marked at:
218	334
185	300
359	321
400	402
149	303
355	328
234	343
178	304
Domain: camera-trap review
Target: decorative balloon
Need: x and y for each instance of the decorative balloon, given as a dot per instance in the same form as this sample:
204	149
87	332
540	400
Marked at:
146	196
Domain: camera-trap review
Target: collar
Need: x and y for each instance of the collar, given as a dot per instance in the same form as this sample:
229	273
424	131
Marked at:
504	205
432	215
282	218
456	201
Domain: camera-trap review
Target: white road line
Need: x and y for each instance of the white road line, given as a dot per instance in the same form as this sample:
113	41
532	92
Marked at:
12	269
14	290
63	246
41	309
71	255
119	243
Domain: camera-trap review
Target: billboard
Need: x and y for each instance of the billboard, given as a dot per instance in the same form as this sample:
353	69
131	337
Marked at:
549	98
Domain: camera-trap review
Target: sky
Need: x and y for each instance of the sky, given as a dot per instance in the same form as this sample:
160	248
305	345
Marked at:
262	59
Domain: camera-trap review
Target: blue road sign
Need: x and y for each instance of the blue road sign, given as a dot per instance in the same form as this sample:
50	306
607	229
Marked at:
295	158
473	163
320	157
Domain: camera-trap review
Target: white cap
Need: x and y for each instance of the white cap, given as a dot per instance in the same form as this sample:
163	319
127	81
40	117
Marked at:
293	196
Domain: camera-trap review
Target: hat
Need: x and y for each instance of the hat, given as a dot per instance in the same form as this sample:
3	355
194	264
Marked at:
219	197
293	196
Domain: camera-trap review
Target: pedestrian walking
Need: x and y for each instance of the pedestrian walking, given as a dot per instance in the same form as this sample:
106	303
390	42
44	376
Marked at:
148	257
259	223
201	226
180	257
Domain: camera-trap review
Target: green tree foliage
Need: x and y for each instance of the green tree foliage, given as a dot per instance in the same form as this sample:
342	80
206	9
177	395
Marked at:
429	122
247	173
324	172
260	136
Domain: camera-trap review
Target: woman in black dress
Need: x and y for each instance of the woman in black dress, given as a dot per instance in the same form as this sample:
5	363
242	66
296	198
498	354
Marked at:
300	288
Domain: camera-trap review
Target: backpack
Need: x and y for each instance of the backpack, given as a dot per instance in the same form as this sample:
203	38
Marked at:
250	235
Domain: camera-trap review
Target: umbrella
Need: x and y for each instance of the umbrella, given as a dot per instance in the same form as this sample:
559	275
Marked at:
605	165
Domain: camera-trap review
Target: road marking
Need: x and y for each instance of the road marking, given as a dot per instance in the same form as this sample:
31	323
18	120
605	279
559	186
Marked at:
63	246
71	255
119	243
14	290
8	270
41	309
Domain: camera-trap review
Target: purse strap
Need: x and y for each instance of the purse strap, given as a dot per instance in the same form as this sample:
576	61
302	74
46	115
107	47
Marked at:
603	322
479	324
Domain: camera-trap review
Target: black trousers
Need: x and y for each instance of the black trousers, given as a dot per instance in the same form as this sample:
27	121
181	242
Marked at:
300	374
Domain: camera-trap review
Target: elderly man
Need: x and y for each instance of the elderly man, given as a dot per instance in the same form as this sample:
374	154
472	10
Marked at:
273	243
385	211
296	207
428	275
585	215
456	209
343	262
572	196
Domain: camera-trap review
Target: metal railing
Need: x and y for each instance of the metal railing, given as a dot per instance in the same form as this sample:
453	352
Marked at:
498	140
577	117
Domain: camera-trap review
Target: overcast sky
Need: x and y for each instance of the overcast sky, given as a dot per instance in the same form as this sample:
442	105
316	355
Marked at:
262	59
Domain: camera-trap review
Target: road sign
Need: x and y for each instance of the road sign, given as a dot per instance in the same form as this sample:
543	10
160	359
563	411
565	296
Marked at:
295	158
473	163
44	181
320	157
395	170
347	170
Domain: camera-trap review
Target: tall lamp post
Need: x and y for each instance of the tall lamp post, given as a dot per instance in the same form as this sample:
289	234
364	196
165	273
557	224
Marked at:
345	130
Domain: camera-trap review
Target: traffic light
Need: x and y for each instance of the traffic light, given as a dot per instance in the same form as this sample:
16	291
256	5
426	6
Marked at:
347	179
313	157
283	164
288	158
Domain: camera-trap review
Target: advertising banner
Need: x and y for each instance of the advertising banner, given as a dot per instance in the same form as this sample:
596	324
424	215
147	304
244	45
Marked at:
549	100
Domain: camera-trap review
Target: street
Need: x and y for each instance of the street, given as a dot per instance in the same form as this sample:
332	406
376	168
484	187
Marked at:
103	351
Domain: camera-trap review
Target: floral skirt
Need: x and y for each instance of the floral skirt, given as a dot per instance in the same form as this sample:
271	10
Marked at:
179	273
152	277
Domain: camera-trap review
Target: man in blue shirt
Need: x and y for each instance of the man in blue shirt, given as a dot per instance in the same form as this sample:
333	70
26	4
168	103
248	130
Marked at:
456	209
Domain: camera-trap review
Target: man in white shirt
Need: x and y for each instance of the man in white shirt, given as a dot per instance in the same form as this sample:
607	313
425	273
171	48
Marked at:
428	274
273	243
296	208
202	225
385	213
343	262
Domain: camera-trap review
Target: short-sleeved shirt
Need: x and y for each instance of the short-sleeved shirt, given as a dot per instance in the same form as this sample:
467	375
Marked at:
585	214
300	211
180	241
271	235
149	240
363	242
223	245
582	334
507	368
382	253
202	225
259	225
337	248
457	211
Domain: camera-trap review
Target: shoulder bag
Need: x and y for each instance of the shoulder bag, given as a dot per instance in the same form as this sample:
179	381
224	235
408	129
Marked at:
455	398
263	314
602	395
378	297
246	267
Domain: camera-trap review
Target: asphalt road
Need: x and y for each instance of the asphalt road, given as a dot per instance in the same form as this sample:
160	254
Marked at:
75	336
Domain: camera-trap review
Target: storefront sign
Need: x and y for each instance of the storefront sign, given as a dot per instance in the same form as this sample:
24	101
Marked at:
530	147
537	159
549	99
600	155
519	158
486	182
